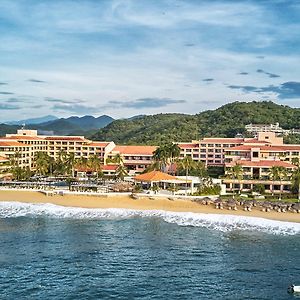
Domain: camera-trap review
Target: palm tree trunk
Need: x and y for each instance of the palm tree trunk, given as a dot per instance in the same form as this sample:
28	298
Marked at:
186	179
280	190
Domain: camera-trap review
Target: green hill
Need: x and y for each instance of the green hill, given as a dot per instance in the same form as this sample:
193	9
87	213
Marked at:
226	121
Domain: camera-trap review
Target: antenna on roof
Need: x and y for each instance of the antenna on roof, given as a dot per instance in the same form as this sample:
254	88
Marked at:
23	126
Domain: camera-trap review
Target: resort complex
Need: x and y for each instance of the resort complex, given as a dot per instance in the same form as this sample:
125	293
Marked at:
263	163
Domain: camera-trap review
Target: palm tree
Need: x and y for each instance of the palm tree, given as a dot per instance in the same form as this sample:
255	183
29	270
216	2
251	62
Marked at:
236	173
118	159
187	164
42	163
296	176
15	168
94	162
200	169
70	162
174	152
273	174
277	173
82	163
121	172
60	163
282	176
160	156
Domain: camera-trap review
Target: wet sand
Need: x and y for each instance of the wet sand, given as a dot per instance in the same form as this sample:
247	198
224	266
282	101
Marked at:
143	203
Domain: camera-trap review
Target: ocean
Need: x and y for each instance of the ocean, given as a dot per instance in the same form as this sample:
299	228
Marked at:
53	252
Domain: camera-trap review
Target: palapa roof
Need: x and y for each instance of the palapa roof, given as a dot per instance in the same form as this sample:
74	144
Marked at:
155	176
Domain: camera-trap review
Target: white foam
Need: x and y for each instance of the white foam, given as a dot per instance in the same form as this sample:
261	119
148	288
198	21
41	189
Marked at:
211	221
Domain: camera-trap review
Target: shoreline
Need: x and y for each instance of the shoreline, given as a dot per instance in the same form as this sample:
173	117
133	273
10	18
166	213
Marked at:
143	203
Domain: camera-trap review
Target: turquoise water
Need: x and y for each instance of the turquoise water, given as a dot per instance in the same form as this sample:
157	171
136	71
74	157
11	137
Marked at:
50	252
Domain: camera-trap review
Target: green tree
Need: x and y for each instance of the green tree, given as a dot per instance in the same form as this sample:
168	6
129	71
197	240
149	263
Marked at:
121	172
94	162
236	173
186	164
296	176
277	173
160	157
70	161
82	163
42	163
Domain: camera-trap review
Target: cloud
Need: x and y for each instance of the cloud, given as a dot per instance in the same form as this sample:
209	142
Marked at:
286	90
37	106
75	108
208	80
15	100
36	81
4	106
146	103
190	45
6	93
62	101
244	88
271	75
243	73
3	83
56	100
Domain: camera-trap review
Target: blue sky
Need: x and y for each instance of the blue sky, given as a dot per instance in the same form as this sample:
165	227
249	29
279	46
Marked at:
129	57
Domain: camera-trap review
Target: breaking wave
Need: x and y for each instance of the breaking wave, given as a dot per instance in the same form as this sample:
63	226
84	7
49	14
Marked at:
219	222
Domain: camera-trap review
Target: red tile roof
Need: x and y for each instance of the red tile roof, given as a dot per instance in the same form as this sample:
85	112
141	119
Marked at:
134	150
2	158
9	143
188	146
24	137
281	148
109	167
98	144
65	138
255	141
222	140
262	163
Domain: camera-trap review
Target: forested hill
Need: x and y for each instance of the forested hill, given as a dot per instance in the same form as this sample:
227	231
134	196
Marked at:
225	121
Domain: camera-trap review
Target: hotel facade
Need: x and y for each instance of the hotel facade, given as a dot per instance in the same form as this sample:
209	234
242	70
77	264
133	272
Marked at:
255	156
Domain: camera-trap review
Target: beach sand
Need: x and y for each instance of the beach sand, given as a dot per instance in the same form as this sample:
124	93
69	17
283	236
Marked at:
143	203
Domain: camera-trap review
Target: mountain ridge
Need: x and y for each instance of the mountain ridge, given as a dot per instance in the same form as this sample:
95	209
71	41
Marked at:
225	121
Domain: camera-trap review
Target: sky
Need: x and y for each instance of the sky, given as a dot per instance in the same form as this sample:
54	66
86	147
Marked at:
129	57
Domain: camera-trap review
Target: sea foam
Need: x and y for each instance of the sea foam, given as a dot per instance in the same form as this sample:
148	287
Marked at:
219	222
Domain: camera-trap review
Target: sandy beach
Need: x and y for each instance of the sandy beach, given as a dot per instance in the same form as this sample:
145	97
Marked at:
143	203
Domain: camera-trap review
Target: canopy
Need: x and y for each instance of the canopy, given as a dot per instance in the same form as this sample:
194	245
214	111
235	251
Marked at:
156	176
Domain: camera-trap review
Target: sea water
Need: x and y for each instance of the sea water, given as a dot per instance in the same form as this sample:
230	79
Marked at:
53	252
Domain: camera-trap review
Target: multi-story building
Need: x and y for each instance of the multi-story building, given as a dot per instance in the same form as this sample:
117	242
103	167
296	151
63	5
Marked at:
256	161
55	145
135	158
212	151
256	128
256	156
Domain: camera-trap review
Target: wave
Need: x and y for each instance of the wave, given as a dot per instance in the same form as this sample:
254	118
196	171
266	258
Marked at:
219	222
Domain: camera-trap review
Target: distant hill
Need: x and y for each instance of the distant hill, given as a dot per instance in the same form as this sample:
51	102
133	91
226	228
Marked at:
226	121
33	120
73	125
4	129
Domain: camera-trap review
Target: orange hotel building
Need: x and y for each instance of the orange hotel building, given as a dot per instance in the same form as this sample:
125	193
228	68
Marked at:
255	155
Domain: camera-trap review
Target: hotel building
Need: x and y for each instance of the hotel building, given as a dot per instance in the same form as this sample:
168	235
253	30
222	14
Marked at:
256	156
